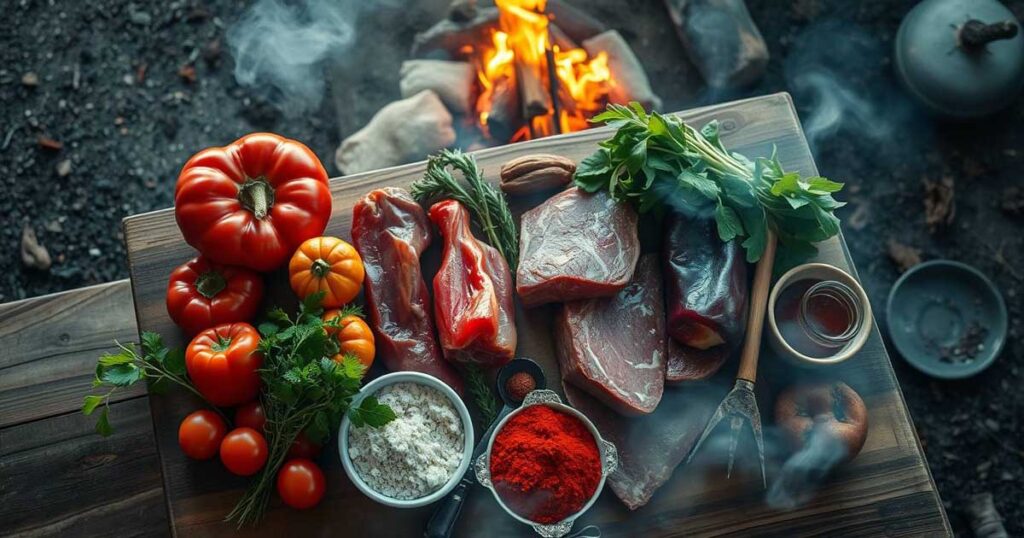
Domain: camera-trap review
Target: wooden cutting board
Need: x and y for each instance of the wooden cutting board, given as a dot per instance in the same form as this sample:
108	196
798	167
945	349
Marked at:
888	489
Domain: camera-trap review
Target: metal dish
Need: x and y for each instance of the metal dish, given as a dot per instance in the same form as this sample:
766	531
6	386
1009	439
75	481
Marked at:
933	305
467	429
609	462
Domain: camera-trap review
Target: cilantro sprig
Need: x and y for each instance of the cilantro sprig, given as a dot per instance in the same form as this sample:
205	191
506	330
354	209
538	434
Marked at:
159	366
654	160
305	391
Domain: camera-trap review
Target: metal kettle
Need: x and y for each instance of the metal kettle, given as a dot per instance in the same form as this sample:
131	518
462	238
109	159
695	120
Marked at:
961	58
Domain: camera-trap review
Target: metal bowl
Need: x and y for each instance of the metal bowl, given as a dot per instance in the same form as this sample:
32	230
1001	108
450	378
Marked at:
609	462
933	304
467	429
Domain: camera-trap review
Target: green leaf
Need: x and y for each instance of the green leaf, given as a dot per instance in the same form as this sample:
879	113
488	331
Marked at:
372	413
108	359
728	221
701	183
788	184
90	402
103	423
820	185
268	328
152	343
174	362
120	375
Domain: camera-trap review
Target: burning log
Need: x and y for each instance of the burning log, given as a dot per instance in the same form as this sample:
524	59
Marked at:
450	36
505	116
576	24
451	81
532	93
721	40
401	132
631	82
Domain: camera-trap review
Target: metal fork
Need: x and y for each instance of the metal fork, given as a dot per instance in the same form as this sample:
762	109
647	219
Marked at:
740	405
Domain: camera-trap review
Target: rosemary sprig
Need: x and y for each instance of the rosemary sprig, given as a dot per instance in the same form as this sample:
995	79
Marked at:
485	202
482	395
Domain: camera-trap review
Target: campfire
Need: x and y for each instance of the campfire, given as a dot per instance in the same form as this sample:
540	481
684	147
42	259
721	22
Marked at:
487	76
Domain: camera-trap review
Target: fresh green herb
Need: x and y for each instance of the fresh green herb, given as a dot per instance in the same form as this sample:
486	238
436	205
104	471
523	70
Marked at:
654	160
486	203
304	391
158	366
482	395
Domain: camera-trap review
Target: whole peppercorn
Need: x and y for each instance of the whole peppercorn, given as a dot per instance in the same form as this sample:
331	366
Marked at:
519	385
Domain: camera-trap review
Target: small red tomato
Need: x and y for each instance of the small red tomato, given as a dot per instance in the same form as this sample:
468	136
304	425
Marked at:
250	415
200	434
243	451
300	483
303	447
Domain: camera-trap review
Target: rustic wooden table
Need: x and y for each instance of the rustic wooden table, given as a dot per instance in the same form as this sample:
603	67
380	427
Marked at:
58	476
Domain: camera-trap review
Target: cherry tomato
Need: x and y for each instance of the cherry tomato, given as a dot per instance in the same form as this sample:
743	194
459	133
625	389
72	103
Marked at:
200	434
304	448
300	483
243	451
250	415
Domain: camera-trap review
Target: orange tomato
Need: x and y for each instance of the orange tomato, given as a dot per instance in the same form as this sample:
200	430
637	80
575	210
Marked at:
354	337
326	264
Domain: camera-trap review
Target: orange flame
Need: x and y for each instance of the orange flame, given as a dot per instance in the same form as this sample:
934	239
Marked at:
524	38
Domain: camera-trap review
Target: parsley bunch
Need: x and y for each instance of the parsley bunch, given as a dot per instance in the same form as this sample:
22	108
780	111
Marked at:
653	160
304	390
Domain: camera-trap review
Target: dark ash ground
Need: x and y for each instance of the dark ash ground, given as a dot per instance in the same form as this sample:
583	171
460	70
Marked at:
109	90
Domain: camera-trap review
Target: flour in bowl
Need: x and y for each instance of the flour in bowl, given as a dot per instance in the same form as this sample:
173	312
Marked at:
415	454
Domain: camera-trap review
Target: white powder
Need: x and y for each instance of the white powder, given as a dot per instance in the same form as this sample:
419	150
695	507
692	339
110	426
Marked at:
415	454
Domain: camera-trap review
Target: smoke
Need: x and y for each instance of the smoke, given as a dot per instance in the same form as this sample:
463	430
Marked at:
806	470
280	47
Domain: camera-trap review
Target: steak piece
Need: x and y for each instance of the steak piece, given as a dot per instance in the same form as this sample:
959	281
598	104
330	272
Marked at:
705	284
575	246
652	446
472	293
390	231
687	363
614	348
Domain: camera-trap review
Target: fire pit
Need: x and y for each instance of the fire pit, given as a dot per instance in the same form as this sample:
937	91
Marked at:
487	76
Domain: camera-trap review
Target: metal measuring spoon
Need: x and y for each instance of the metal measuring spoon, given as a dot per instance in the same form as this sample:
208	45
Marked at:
447	510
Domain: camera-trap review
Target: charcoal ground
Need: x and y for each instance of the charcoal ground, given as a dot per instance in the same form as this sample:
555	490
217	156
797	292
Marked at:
110	88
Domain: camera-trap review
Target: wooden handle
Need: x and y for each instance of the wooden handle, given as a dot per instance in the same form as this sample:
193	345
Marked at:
758	305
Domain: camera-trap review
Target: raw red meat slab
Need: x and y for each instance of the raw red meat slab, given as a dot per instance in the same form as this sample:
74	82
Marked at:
390	231
576	246
686	363
472	293
614	348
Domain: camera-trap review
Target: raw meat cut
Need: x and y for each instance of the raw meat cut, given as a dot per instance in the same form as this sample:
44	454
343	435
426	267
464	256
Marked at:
390	231
705	284
575	246
472	293
687	363
614	348
652	446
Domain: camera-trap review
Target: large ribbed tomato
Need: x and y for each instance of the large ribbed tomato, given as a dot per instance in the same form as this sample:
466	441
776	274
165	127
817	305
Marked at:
201	294
223	364
253	202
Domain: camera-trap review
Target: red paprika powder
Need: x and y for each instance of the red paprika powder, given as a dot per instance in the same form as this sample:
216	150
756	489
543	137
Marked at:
545	464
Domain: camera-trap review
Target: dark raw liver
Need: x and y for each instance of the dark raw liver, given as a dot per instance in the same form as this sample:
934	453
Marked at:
390	231
614	348
706	295
576	246
652	446
472	293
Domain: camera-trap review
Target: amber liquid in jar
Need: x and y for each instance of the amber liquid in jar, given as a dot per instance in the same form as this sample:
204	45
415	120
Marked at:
817	317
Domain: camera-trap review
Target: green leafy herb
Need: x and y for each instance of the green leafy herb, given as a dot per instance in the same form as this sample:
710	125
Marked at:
482	395
485	202
304	391
158	366
654	160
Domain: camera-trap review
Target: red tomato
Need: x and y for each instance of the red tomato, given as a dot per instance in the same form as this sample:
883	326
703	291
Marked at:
252	203
200	434
222	362
243	451
250	415
201	294
300	483
304	448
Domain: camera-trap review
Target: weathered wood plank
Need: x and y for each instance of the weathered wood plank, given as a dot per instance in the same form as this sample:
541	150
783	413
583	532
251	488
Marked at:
59	478
49	346
887	488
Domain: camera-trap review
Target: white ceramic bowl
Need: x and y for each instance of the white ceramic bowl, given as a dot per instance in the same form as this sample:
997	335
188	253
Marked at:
467	428
609	462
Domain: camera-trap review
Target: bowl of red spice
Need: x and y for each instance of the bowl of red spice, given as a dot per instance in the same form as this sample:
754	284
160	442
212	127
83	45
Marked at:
546	464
